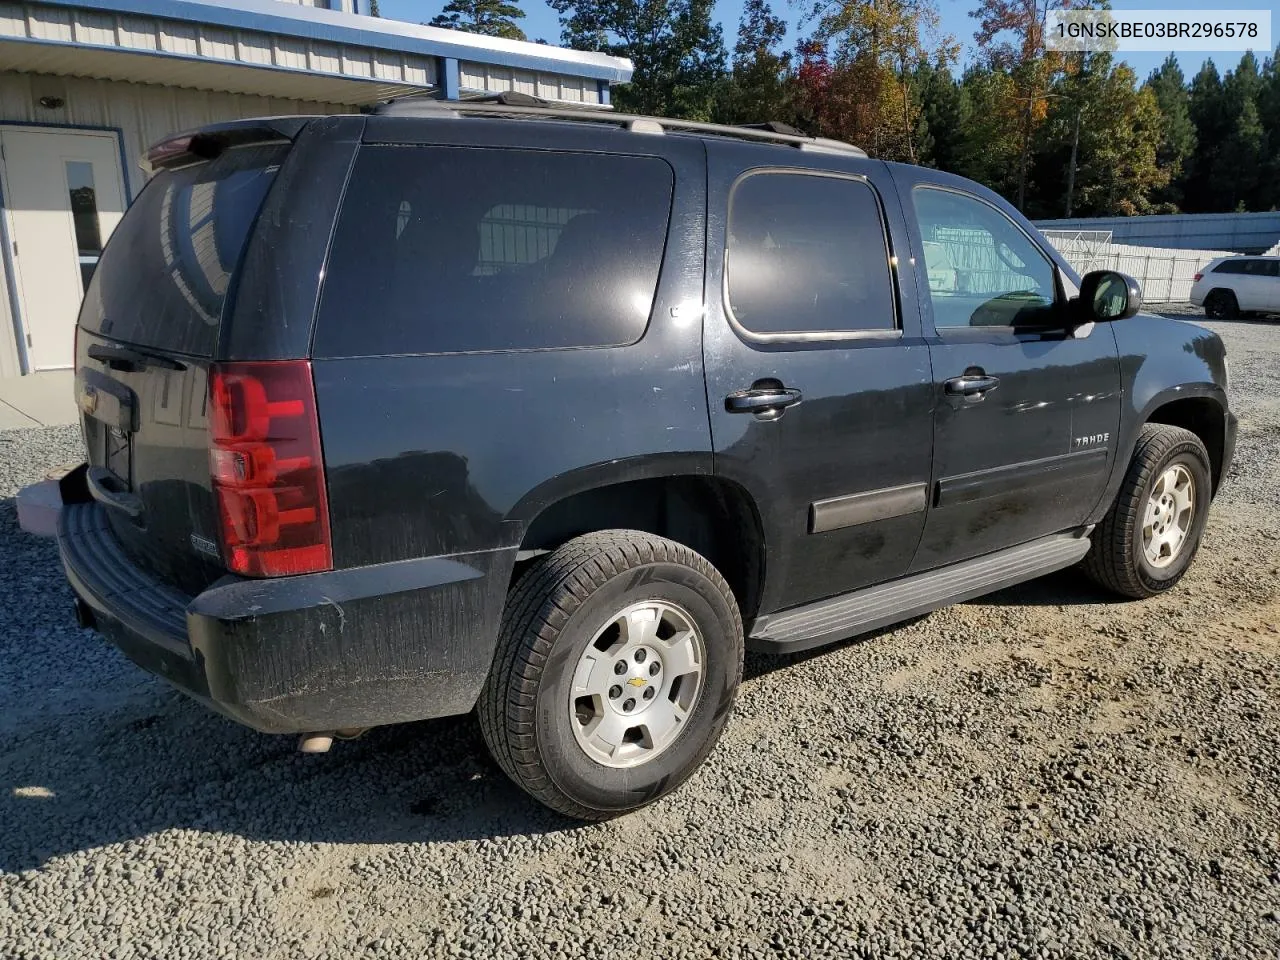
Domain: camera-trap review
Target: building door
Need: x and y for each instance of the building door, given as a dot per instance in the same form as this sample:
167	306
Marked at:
63	195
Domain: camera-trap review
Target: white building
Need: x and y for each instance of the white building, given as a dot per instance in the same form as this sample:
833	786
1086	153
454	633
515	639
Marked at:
87	85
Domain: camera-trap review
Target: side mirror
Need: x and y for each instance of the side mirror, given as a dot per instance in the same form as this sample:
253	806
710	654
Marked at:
1107	295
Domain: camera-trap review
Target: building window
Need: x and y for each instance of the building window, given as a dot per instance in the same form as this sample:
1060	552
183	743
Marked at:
84	214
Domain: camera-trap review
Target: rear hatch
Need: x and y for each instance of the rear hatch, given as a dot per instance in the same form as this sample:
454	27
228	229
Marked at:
148	333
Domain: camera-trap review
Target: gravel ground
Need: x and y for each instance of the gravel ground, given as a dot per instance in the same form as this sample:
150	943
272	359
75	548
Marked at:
1041	773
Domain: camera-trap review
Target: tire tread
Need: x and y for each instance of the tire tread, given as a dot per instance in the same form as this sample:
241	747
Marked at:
1110	562
537	609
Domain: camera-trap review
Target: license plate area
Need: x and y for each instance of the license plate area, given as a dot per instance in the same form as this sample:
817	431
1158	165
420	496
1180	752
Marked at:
118	455
110	420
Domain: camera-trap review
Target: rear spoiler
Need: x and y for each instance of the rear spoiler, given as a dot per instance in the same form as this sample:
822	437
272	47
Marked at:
194	146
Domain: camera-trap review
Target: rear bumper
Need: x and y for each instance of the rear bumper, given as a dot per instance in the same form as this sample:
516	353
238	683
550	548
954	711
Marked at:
348	648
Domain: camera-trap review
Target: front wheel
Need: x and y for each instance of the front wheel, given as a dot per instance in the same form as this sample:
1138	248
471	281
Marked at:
1151	534
618	662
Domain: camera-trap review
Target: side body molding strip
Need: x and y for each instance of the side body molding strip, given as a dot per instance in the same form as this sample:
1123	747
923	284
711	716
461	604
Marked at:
867	507
1006	480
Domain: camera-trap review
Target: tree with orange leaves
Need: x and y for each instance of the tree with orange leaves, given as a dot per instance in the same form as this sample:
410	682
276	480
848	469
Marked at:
863	94
1011	39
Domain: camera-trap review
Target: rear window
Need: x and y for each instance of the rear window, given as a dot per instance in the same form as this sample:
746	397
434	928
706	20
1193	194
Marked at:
460	249
164	277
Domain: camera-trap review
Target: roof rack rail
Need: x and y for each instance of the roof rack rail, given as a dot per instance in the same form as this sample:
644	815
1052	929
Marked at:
514	104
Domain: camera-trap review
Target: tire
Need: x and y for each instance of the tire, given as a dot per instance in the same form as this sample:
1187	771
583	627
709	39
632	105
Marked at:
571	600
1221	305
1119	558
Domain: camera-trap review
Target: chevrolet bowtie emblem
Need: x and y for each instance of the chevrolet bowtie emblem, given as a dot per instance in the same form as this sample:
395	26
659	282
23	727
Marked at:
638	682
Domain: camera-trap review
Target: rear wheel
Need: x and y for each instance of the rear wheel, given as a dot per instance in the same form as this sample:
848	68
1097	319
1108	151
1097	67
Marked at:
1151	534
1221	305
618	662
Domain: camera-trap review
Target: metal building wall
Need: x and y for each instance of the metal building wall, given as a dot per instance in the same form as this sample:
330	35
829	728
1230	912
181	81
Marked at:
1236	232
141	113
491	78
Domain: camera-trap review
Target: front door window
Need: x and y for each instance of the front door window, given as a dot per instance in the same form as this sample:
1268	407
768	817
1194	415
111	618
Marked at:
983	270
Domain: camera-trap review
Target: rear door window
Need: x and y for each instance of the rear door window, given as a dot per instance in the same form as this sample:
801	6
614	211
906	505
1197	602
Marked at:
167	270
460	249
807	257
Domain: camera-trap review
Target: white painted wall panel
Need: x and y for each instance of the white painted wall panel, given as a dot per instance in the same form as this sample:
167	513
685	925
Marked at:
143	113
356	62
139	33
181	38
47	23
254	47
326	58
387	66
96	28
493	78
13	20
220	44
419	71
291	53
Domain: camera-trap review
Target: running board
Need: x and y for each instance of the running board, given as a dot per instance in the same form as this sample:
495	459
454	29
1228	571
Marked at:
850	614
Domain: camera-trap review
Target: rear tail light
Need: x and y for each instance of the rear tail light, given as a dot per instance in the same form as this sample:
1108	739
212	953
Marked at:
1197	277
268	473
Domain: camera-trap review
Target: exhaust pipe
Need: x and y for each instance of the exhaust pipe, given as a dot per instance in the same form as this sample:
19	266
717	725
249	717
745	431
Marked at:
321	742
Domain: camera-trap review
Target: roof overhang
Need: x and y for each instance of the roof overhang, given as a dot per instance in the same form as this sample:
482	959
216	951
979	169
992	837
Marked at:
199	74
269	35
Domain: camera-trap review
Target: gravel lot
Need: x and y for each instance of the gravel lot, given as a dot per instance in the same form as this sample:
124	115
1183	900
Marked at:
1041	773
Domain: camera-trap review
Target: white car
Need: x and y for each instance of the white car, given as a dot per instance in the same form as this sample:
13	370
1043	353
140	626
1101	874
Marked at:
1231	286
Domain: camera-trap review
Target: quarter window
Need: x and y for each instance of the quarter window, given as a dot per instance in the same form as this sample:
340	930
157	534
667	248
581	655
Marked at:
983	270
807	254
461	249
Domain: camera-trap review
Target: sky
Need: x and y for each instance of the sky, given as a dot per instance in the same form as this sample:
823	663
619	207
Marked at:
541	22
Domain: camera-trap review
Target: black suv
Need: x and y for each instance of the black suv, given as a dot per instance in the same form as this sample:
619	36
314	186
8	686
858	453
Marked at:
547	413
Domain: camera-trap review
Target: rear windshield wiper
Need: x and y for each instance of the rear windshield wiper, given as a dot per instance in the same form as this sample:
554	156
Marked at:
131	359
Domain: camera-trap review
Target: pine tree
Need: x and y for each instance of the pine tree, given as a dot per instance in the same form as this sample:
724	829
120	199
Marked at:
675	47
992	142
1177	132
1207	108
1269	116
492	18
1116	168
757	90
945	114
1241	161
